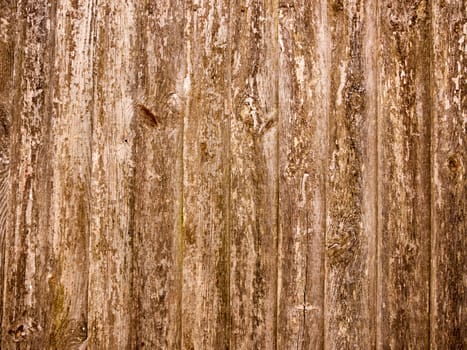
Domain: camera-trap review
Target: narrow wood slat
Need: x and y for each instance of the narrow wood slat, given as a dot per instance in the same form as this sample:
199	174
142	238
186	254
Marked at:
7	38
159	109
205	294
351	178
26	322
112	175
449	191
71	163
254	175
303	102
404	177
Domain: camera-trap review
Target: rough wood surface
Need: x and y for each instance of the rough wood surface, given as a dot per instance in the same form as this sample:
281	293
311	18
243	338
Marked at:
303	107
350	188
404	176
220	174
449	192
110	259
205	293
7	20
26	298
71	164
254	190
159	108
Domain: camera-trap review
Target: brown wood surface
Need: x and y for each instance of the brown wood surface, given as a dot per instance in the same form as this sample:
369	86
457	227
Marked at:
110	258
350	178
220	174
303	107
28	254
71	166
404	174
205	293
159	108
253	178
448	304
7	19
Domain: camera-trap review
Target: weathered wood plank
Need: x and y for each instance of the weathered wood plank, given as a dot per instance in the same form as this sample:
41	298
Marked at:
112	174
26	322
7	21
71	164
254	174
404	176
449	191
158	175
303	98
205	323
351	182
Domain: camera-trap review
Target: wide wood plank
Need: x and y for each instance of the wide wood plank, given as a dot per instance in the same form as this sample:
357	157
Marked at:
109	294
351	178
449	192
28	261
254	175
159	109
205	294
71	163
303	107
404	176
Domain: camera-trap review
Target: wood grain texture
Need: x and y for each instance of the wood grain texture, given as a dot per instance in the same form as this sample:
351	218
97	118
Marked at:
254	175
303	108
159	108
220	174
110	257
7	20
404	177
205	294
71	163
350	189
448	144
26	294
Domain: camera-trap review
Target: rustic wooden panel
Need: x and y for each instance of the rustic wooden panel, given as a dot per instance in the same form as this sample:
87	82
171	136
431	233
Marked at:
112	173
71	164
205	193
254	175
404	177
7	20
159	108
26	322
449	244
217	174
303	108
351	188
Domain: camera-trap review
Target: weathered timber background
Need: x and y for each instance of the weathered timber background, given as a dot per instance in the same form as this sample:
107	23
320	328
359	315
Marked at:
233	174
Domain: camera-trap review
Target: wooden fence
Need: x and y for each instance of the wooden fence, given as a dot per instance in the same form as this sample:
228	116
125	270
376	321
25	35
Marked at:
220	174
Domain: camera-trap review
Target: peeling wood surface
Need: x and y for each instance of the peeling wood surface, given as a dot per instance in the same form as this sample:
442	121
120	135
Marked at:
448	302
278	174
404	176
158	106
303	103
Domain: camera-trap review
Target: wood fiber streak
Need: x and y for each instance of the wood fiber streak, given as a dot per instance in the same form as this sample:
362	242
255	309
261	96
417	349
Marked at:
449	191
26	295
253	143
404	136
7	20
159	109
112	175
205	294
71	164
303	88
350	188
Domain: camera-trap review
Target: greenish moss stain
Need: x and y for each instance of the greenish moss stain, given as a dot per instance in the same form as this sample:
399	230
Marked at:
65	332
